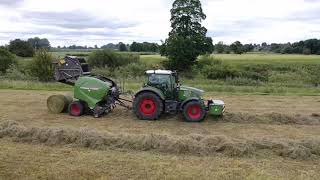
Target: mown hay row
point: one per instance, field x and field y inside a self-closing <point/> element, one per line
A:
<point x="193" y="144"/>
<point x="271" y="118"/>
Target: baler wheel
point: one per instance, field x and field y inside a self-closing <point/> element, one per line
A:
<point x="193" y="111"/>
<point x="147" y="106"/>
<point x="76" y="108"/>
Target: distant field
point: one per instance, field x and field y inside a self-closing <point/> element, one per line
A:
<point x="249" y="58"/>
<point x="259" y="58"/>
<point x="152" y="59"/>
<point x="74" y="53"/>
<point x="256" y="58"/>
<point x="268" y="58"/>
<point x="61" y="54"/>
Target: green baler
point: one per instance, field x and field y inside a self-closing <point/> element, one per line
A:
<point x="92" y="93"/>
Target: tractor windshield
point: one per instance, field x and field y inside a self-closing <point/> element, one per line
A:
<point x="158" y="79"/>
<point x="163" y="82"/>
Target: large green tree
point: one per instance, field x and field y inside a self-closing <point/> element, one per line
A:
<point x="6" y="60"/>
<point x="237" y="47"/>
<point x="144" y="47"/>
<point x="220" y="47"/>
<point x="21" y="48"/>
<point x="41" y="65"/>
<point x="122" y="47"/>
<point x="38" y="43"/>
<point x="187" y="39"/>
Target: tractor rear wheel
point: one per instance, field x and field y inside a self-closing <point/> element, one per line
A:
<point x="147" y="106"/>
<point x="194" y="112"/>
<point x="76" y="108"/>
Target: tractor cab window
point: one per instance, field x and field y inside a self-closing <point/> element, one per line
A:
<point x="162" y="82"/>
<point x="158" y="79"/>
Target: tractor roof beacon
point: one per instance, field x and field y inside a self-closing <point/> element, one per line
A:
<point x="159" y="72"/>
<point x="162" y="93"/>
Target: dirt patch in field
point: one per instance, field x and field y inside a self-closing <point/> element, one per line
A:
<point x="271" y="118"/>
<point x="194" y="144"/>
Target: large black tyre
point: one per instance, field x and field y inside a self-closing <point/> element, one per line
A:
<point x="76" y="108"/>
<point x="194" y="111"/>
<point x="147" y="106"/>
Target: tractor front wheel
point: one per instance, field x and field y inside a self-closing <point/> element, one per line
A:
<point x="194" y="112"/>
<point x="147" y="106"/>
<point x="76" y="108"/>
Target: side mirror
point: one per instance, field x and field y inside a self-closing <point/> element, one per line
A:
<point x="175" y="75"/>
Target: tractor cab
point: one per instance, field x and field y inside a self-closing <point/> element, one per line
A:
<point x="164" y="80"/>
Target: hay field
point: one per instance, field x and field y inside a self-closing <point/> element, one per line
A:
<point x="250" y="58"/>
<point x="264" y="137"/>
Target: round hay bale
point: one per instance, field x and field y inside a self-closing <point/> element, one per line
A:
<point x="69" y="99"/>
<point x="58" y="103"/>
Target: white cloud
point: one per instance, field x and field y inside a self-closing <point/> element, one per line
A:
<point x="260" y="20"/>
<point x="99" y="21"/>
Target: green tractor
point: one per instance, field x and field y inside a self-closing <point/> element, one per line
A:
<point x="160" y="94"/>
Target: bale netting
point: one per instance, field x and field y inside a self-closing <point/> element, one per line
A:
<point x="58" y="103"/>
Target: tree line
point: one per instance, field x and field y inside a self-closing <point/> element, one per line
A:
<point x="307" y="47"/>
<point x="310" y="46"/>
<point x="134" y="47"/>
<point x="27" y="48"/>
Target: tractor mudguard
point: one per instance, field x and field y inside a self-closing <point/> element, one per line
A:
<point x="151" y="89"/>
<point x="188" y="100"/>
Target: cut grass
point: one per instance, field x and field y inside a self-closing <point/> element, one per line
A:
<point x="51" y="146"/>
<point x="192" y="144"/>
<point x="33" y="161"/>
<point x="248" y="117"/>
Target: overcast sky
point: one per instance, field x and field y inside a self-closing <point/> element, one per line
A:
<point x="90" y="22"/>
